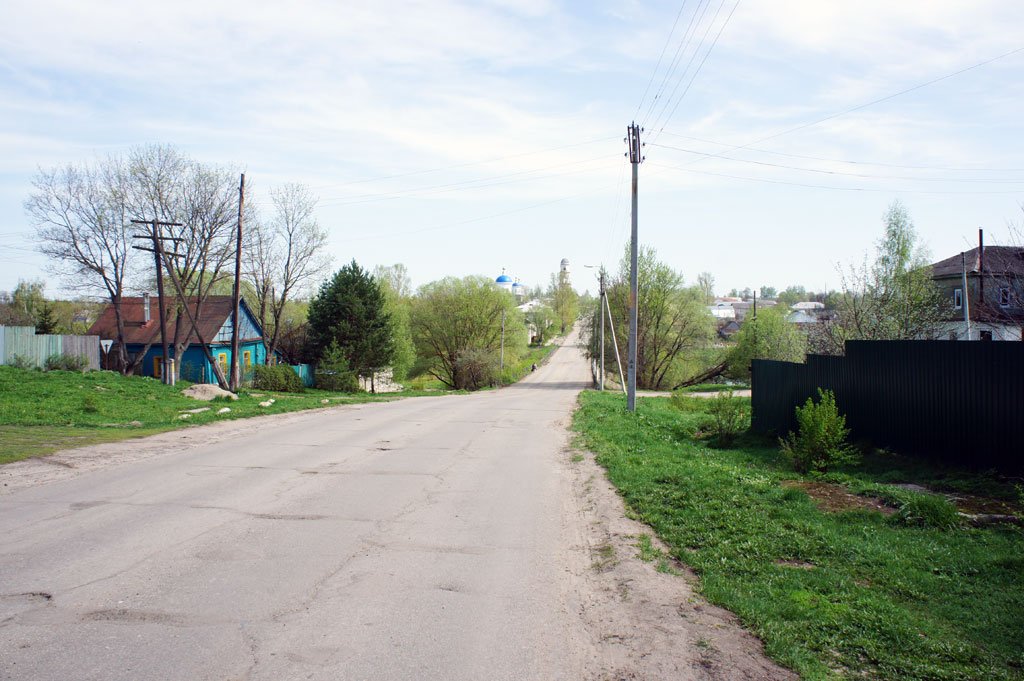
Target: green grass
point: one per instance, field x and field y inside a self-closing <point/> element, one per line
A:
<point x="41" y="413"/>
<point x="520" y="368"/>
<point x="833" y="595"/>
<point x="713" y="387"/>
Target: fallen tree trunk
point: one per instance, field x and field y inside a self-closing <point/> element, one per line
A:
<point x="704" y="377"/>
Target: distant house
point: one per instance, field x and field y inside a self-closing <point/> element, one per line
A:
<point x="746" y="307"/>
<point x="722" y="310"/>
<point x="142" y="334"/>
<point x="994" y="295"/>
<point x="729" y="329"/>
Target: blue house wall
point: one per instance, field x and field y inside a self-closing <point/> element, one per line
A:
<point x="194" y="365"/>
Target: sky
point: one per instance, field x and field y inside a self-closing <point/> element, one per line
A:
<point x="470" y="137"/>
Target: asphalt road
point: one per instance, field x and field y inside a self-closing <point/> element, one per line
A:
<point x="419" y="539"/>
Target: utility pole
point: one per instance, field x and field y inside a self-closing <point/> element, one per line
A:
<point x="158" y="255"/>
<point x="964" y="298"/>
<point x="615" y="344"/>
<point x="236" y="293"/>
<point x="501" y="362"/>
<point x="602" y="327"/>
<point x="633" y="139"/>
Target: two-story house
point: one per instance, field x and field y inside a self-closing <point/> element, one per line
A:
<point x="994" y="294"/>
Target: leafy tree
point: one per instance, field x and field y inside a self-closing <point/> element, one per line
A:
<point x="394" y="281"/>
<point x="453" y="320"/>
<point x="768" y="292"/>
<point x="766" y="336"/>
<point x="349" y="310"/>
<point x="672" y="319"/>
<point x="542" y="318"/>
<point x="792" y="295"/>
<point x="893" y="298"/>
<point x="564" y="301"/>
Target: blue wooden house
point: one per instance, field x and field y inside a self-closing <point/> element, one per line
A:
<point x="142" y="335"/>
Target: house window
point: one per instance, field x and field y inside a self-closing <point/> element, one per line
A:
<point x="158" y="367"/>
<point x="222" y="360"/>
<point x="247" y="359"/>
<point x="985" y="336"/>
<point x="958" y="299"/>
<point x="1004" y="296"/>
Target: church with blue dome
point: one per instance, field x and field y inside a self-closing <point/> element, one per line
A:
<point x="508" y="284"/>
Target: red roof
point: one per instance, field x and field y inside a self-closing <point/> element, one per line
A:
<point x="215" y="311"/>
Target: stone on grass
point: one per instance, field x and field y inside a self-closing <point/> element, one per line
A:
<point x="182" y="417"/>
<point x="224" y="410"/>
<point x="207" y="392"/>
<point x="266" y="404"/>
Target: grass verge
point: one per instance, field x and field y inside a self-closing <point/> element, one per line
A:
<point x="44" y="412"/>
<point x="851" y="594"/>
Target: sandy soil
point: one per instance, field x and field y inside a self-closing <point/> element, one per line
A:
<point x="642" y="623"/>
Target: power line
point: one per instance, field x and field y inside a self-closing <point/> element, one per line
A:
<point x="657" y="66"/>
<point x="834" y="188"/>
<point x="839" y="172"/>
<point x="464" y="185"/>
<point x="871" y="103"/>
<point x="463" y="165"/>
<point x="695" y="73"/>
<point x="492" y="216"/>
<point x="681" y="50"/>
<point x="839" y="160"/>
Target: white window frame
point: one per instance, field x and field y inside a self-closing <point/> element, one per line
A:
<point x="958" y="299"/>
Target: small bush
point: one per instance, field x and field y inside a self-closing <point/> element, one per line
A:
<point x="66" y="363"/>
<point x="333" y="373"/>
<point x="22" y="362"/>
<point x="927" y="510"/>
<point x="89" y="405"/>
<point x="475" y="369"/>
<point x="821" y="438"/>
<point x="280" y="378"/>
<point x="730" y="416"/>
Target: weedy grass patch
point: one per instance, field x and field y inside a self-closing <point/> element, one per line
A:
<point x="850" y="594"/>
<point x="44" y="412"/>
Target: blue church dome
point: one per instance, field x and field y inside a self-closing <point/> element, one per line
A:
<point x="504" y="279"/>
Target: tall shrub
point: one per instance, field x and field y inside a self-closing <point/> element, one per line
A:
<point x="821" y="438"/>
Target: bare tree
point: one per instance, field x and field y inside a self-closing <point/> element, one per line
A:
<point x="706" y="283"/>
<point x="81" y="221"/>
<point x="284" y="256"/>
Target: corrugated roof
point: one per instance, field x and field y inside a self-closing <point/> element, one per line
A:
<point x="215" y="311"/>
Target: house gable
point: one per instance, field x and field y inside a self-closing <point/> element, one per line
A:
<point x="249" y="328"/>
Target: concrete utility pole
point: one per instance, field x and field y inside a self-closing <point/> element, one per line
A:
<point x="964" y="303"/>
<point x="236" y="377"/>
<point x="633" y="139"/>
<point x="166" y="374"/>
<point x="602" y="328"/>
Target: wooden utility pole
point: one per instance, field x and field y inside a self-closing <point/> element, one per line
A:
<point x="633" y="139"/>
<point x="158" y="255"/>
<point x="501" y="363"/>
<point x="236" y="293"/>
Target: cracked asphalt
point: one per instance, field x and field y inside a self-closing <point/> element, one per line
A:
<point x="418" y="539"/>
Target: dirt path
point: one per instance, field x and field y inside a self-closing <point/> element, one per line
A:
<point x="643" y="623"/>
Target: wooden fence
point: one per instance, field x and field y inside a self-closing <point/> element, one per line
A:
<point x="22" y="342"/>
<point x="961" y="402"/>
